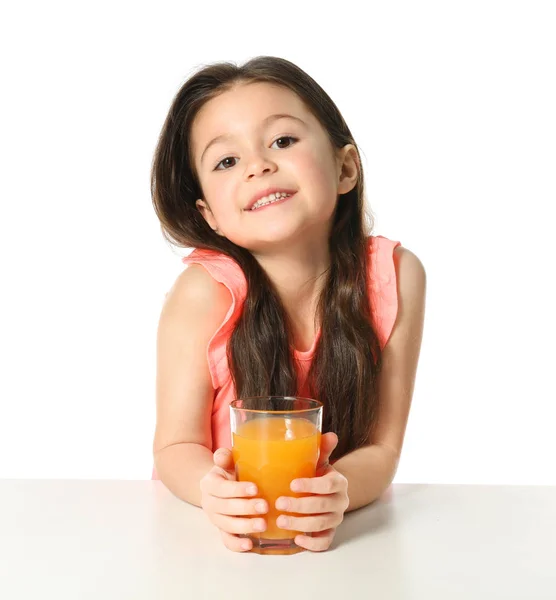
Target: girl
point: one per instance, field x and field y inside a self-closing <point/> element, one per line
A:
<point x="287" y="294"/>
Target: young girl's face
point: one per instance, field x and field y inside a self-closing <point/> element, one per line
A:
<point x="259" y="152"/>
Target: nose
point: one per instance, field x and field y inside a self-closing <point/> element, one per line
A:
<point x="259" y="164"/>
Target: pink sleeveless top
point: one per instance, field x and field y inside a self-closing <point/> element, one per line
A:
<point x="383" y="297"/>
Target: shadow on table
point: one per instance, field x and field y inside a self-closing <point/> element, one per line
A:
<point x="373" y="518"/>
<point x="364" y="521"/>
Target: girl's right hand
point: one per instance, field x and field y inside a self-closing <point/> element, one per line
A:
<point x="223" y="497"/>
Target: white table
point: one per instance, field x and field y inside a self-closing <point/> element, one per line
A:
<point x="81" y="539"/>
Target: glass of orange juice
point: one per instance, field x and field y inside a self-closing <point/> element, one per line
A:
<point x="275" y="439"/>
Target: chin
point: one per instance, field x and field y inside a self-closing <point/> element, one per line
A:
<point x="276" y="241"/>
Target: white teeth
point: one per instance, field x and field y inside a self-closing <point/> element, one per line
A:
<point x="269" y="199"/>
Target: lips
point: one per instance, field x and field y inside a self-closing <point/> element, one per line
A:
<point x="267" y="192"/>
<point x="271" y="204"/>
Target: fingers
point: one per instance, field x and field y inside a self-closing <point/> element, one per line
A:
<point x="313" y="523"/>
<point x="223" y="458"/>
<point x="318" y="542"/>
<point x="236" y="543"/>
<point x="324" y="508"/>
<point x="239" y="525"/>
<point x="328" y="442"/>
<point x="236" y="506"/>
<point x="215" y="484"/>
<point x="310" y="505"/>
<point x="330" y="483"/>
<point x="229" y="503"/>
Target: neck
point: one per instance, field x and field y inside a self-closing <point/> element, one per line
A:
<point x="299" y="273"/>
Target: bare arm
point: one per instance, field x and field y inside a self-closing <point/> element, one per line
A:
<point x="181" y="467"/>
<point x="371" y="469"/>
<point x="182" y="447"/>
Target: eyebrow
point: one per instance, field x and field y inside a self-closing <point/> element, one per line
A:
<point x="266" y="121"/>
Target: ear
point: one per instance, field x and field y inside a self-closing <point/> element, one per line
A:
<point x="348" y="168"/>
<point x="204" y="209"/>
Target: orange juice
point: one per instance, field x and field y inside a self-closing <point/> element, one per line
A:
<point x="272" y="451"/>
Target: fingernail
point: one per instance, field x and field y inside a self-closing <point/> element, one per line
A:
<point x="283" y="521"/>
<point x="260" y="507"/>
<point x="296" y="486"/>
<point x="252" y="490"/>
<point x="246" y="545"/>
<point x="259" y="525"/>
<point x="282" y="504"/>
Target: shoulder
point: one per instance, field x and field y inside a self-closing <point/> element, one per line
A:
<point x="196" y="294"/>
<point x="409" y="270"/>
<point x="397" y="273"/>
<point x="411" y="289"/>
<point x="197" y="284"/>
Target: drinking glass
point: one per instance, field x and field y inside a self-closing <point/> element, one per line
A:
<point x="275" y="439"/>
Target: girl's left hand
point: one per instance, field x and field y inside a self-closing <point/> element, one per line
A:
<point x="326" y="507"/>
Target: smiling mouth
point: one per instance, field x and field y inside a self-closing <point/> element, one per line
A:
<point x="280" y="201"/>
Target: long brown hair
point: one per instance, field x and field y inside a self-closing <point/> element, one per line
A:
<point x="347" y="359"/>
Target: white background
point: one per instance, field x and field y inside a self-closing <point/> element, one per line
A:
<point x="453" y="106"/>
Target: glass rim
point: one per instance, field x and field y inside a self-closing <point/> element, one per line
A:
<point x="316" y="405"/>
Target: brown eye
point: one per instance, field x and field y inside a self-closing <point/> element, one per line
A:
<point x="223" y="161"/>
<point x="286" y="137"/>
